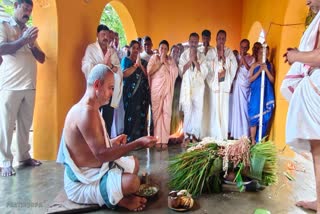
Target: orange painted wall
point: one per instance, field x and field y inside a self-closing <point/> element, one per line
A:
<point x="175" y="20"/>
<point x="45" y="124"/>
<point x="278" y="38"/>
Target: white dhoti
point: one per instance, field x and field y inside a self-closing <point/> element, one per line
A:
<point x="105" y="190"/>
<point x="192" y="93"/>
<point x="220" y="92"/>
<point x="303" y="120"/>
<point x="191" y="102"/>
<point x="301" y="86"/>
<point x="205" y="123"/>
<point x="94" y="185"/>
<point x="192" y="118"/>
<point x="219" y="103"/>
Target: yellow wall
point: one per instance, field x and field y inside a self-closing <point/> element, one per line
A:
<point x="175" y="20"/>
<point x="45" y="125"/>
<point x="67" y="27"/>
<point x="279" y="38"/>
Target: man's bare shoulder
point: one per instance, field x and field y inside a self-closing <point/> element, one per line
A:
<point x="83" y="135"/>
<point x="80" y="114"/>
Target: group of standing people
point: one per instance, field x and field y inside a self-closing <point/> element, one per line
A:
<point x="143" y="81"/>
<point x="222" y="88"/>
<point x="246" y="96"/>
<point x="207" y="78"/>
<point x="217" y="91"/>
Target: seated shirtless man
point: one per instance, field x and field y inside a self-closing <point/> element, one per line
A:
<point x="96" y="171"/>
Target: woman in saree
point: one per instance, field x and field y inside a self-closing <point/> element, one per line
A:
<point x="254" y="100"/>
<point x="136" y="93"/>
<point x="162" y="71"/>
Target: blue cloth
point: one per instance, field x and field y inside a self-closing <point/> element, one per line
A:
<point x="254" y="102"/>
<point x="60" y="156"/>
<point x="104" y="193"/>
<point x="136" y="100"/>
<point x="70" y="173"/>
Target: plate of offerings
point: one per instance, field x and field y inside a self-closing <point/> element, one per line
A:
<point x="180" y="200"/>
<point x="148" y="190"/>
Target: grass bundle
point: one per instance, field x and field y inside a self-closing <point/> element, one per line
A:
<point x="200" y="169"/>
<point x="196" y="170"/>
<point x="268" y="151"/>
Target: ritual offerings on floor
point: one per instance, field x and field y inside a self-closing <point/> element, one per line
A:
<point x="180" y="200"/>
<point x="207" y="165"/>
<point x="148" y="190"/>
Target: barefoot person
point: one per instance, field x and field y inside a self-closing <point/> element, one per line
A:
<point x="162" y="71"/>
<point x="19" y="51"/>
<point x="223" y="67"/>
<point x="193" y="69"/>
<point x="301" y="87"/>
<point x="255" y="78"/>
<point x="96" y="171"/>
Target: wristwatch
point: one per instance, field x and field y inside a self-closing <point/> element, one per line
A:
<point x="112" y="66"/>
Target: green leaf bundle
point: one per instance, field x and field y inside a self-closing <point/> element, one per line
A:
<point x="268" y="151"/>
<point x="196" y="171"/>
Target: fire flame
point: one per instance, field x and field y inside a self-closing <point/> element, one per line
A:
<point x="179" y="131"/>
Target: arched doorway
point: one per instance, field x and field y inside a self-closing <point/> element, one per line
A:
<point x="111" y="18"/>
<point x="256" y="33"/>
<point x="126" y="19"/>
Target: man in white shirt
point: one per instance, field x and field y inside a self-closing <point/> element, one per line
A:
<point x="204" y="50"/>
<point x="116" y="46"/>
<point x="193" y="68"/>
<point x="20" y="51"/>
<point x="101" y="53"/>
<point x="147" y="46"/>
<point x="223" y="65"/>
<point x="206" y="38"/>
